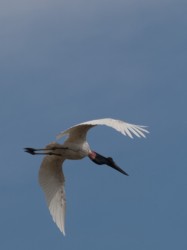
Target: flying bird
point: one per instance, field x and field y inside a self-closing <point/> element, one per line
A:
<point x="75" y="147"/>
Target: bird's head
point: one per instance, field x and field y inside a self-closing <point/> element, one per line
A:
<point x="100" y="160"/>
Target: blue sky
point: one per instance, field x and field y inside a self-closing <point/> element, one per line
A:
<point x="65" y="62"/>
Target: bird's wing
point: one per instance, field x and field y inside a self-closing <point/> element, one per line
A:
<point x="80" y="130"/>
<point x="51" y="179"/>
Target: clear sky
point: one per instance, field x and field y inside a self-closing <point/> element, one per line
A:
<point x="67" y="61"/>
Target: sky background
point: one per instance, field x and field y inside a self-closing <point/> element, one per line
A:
<point x="65" y="62"/>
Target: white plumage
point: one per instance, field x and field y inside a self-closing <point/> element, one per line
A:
<point x="125" y="128"/>
<point x="51" y="177"/>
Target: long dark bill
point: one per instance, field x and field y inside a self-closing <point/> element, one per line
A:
<point x="112" y="164"/>
<point x="100" y="160"/>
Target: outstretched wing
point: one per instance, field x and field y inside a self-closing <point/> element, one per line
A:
<point x="51" y="179"/>
<point x="79" y="131"/>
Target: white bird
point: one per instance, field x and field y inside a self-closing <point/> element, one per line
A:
<point x="75" y="147"/>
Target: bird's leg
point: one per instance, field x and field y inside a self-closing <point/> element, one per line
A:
<point x="42" y="149"/>
<point x="100" y="160"/>
<point x="33" y="151"/>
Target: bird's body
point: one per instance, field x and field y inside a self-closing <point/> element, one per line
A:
<point x="70" y="150"/>
<point x="75" y="147"/>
